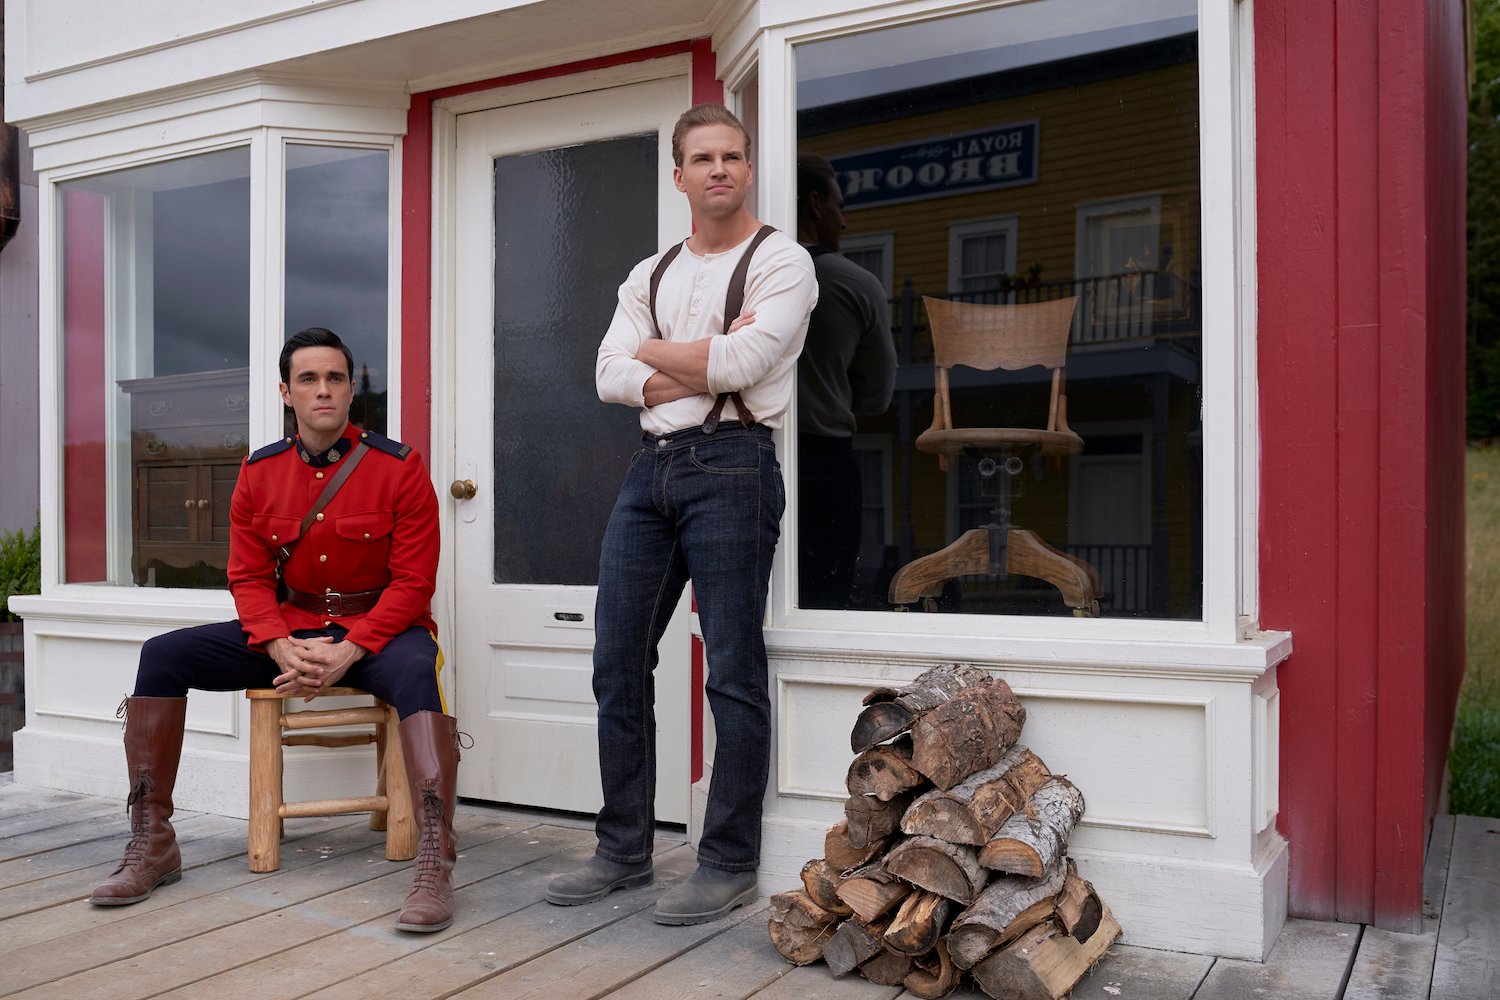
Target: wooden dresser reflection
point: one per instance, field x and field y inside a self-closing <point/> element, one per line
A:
<point x="188" y="435"/>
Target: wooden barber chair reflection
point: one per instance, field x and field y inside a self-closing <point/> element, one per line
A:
<point x="988" y="337"/>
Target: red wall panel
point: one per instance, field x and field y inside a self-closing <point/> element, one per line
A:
<point x="84" y="557"/>
<point x="1359" y="131"/>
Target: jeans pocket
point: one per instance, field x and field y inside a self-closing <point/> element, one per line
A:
<point x="736" y="455"/>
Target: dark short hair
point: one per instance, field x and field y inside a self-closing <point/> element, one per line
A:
<point x="814" y="175"/>
<point x="705" y="114"/>
<point x="313" y="336"/>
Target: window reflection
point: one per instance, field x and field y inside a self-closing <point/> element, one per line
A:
<point x="156" y="312"/>
<point x="338" y="260"/>
<point x="1033" y="153"/>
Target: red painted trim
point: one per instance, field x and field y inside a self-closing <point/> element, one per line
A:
<point x="1360" y="153"/>
<point x="416" y="265"/>
<point x="416" y="276"/>
<point x="85" y="559"/>
<point x="706" y="87"/>
<point x="695" y="710"/>
<point x="1295" y="172"/>
<point x="416" y="226"/>
<point x="706" y="83"/>
<point x="1357" y="446"/>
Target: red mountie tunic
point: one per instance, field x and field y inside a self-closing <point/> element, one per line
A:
<point x="379" y="531"/>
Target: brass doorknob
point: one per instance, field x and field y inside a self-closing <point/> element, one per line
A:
<point x="463" y="489"/>
<point x="203" y="504"/>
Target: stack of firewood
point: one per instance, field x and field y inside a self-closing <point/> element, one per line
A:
<point x="952" y="856"/>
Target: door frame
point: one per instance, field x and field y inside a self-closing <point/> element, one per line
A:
<point x="444" y="346"/>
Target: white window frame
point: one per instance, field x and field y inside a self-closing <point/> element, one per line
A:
<point x="1220" y="639"/>
<point x="1008" y="225"/>
<point x="267" y="146"/>
<point x="886" y="244"/>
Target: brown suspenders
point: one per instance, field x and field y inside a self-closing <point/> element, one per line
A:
<point x="734" y="301"/>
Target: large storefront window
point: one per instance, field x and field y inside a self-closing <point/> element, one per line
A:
<point x="1023" y="184"/>
<point x="338" y="260"/>
<point x="155" y="265"/>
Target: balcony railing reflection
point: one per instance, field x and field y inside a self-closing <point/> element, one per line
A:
<point x="1113" y="309"/>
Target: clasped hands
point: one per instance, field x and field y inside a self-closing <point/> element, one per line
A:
<point x="313" y="665"/>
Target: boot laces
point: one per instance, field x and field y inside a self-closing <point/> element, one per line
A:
<point x="430" y="852"/>
<point x="135" y="804"/>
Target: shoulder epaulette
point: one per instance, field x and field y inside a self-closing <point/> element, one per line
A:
<point x="382" y="443"/>
<point x="274" y="448"/>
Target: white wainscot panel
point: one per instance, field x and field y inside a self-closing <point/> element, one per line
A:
<point x="1142" y="764"/>
<point x="814" y="717"/>
<point x="89" y="673"/>
<point x="534" y="682"/>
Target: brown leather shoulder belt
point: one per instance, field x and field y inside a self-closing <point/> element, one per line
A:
<point x="335" y="604"/>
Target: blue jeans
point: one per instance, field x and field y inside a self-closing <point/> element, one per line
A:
<point x="705" y="507"/>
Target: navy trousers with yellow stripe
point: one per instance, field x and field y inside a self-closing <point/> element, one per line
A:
<point x="215" y="658"/>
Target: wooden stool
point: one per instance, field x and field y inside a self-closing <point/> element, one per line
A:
<point x="389" y="807"/>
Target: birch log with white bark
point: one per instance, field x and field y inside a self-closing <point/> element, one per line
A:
<point x="890" y="711"/>
<point x="972" y="811"/>
<point x="1030" y="844"/>
<point x="1008" y="906"/>
<point x="1045" y="963"/>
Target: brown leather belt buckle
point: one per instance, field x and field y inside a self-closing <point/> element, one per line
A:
<point x="333" y="604"/>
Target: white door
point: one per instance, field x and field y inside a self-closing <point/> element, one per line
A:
<point x="556" y="201"/>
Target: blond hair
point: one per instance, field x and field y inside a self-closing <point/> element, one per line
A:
<point x="705" y="114"/>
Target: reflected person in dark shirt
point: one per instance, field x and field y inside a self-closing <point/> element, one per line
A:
<point x="847" y="369"/>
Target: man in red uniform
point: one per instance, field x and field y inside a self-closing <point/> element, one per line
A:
<point x="355" y="611"/>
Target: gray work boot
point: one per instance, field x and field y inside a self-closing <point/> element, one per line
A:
<point x="595" y="880"/>
<point x="707" y="895"/>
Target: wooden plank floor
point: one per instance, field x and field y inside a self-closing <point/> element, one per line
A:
<point x="322" y="926"/>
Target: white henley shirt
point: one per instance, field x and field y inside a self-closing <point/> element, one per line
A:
<point x="758" y="361"/>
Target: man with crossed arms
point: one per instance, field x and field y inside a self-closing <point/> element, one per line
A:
<point x="702" y="500"/>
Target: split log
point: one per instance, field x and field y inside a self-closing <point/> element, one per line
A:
<point x="950" y="870"/>
<point x="891" y="711"/>
<point x="1079" y="908"/>
<point x="799" y="927"/>
<point x="1029" y="846"/>
<point x="841" y="854"/>
<point x="918" y="924"/>
<point x="888" y="968"/>
<point x="1007" y="908"/>
<point x="969" y="732"/>
<point x="871" y="818"/>
<point x="822" y="883"/>
<point x="854" y="943"/>
<point x="972" y="811"/>
<point x="872" y="891"/>
<point x="883" y="772"/>
<point x="935" y="975"/>
<point x="1045" y="963"/>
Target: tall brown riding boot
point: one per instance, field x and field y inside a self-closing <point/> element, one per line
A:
<point x="153" y="745"/>
<point x="429" y="742"/>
